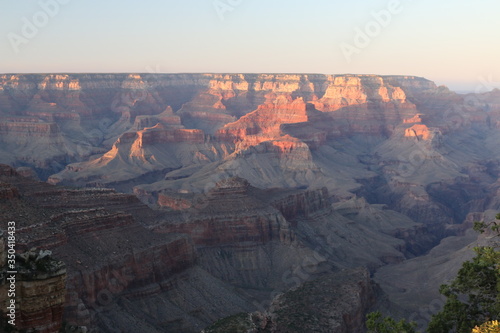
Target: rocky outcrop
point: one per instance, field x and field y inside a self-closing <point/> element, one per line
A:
<point x="154" y="151"/>
<point x="240" y="238"/>
<point x="266" y="120"/>
<point x="206" y="111"/>
<point x="40" y="289"/>
<point x="107" y="253"/>
<point x="348" y="90"/>
<point x="158" y="134"/>
<point x="231" y="216"/>
<point x="419" y="131"/>
<point x="173" y="202"/>
<point x="28" y="130"/>
<point x="167" y="118"/>
<point x="302" y="204"/>
<point x="334" y="303"/>
<point x="132" y="273"/>
<point x="8" y="192"/>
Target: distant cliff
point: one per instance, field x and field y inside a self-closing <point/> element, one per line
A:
<point x="79" y="115"/>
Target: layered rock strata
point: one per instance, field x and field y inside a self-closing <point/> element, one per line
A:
<point x="40" y="292"/>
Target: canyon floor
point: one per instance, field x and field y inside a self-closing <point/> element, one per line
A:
<point x="268" y="202"/>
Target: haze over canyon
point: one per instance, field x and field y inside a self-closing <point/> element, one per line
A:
<point x="298" y="202"/>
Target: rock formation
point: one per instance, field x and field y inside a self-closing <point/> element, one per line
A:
<point x="254" y="182"/>
<point x="234" y="236"/>
<point x="333" y="303"/>
<point x="40" y="291"/>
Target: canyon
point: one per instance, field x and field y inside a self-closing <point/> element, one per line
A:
<point x="175" y="200"/>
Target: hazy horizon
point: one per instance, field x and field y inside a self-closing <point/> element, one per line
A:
<point x="451" y="42"/>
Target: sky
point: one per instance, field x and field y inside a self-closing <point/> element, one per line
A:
<point x="452" y="42"/>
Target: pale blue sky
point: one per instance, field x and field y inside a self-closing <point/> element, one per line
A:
<point x="451" y="42"/>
